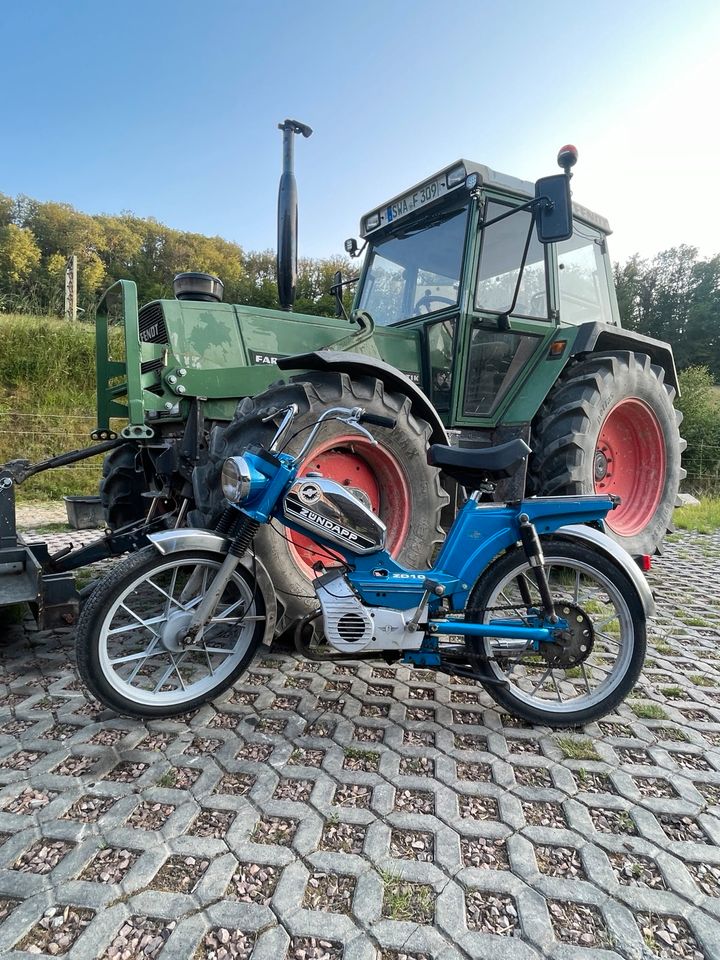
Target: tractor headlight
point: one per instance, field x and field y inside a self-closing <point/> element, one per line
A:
<point x="236" y="479"/>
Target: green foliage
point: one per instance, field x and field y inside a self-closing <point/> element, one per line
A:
<point x="674" y="297"/>
<point x="699" y="403"/>
<point x="37" y="238"/>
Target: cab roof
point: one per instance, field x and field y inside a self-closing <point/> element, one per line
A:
<point x="502" y="182"/>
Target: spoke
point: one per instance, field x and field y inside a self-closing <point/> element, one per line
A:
<point x="606" y="636"/>
<point x="132" y="626"/>
<point x="235" y="619"/>
<point x="209" y="662"/>
<point x="232" y="606"/>
<point x="577" y="587"/>
<point x="606" y="621"/>
<point x="169" y="598"/>
<point x="143" y="623"/>
<point x="149" y="652"/>
<point x="164" y="677"/>
<point x="173" y="583"/>
<point x="191" y="585"/>
<point x="541" y="681"/>
<point x="205" y="649"/>
<point x="176" y="664"/>
<point x="584" y="673"/>
<point x="557" y="689"/>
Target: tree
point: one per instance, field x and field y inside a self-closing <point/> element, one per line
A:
<point x="19" y="256"/>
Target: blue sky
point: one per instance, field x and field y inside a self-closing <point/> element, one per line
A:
<point x="170" y="109"/>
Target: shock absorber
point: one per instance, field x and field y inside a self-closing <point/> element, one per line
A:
<point x="534" y="553"/>
<point x="243" y="536"/>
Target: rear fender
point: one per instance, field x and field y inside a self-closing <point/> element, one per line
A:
<point x="168" y="542"/>
<point x="614" y="552"/>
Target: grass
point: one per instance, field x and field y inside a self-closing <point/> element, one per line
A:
<point x="705" y="518"/>
<point x="412" y="902"/>
<point x="701" y="680"/>
<point x="47" y="401"/>
<point x="577" y="749"/>
<point x="648" y="711"/>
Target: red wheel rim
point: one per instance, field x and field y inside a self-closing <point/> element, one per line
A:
<point x="630" y="463"/>
<point x="372" y="471"/>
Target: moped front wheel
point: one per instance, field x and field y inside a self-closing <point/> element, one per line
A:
<point x="129" y="647"/>
<point x="603" y="647"/>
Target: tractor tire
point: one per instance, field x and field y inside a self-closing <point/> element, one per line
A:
<point x="609" y="426"/>
<point x="122" y="486"/>
<point x="392" y="477"/>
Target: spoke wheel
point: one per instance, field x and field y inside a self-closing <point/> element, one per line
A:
<point x="129" y="645"/>
<point x="600" y="656"/>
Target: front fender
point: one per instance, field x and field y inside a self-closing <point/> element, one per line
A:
<point x="173" y="541"/>
<point x="601" y="541"/>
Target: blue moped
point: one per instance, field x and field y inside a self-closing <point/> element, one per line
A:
<point x="529" y="598"/>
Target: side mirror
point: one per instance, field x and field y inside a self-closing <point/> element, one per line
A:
<point x="553" y="210"/>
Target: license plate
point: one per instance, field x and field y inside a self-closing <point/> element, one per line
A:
<point x="414" y="201"/>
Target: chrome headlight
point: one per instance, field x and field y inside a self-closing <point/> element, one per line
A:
<point x="236" y="479"/>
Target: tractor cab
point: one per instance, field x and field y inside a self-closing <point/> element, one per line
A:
<point x="481" y="265"/>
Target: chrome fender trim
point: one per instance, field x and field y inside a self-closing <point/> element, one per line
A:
<point x="173" y="541"/>
<point x="615" y="552"/>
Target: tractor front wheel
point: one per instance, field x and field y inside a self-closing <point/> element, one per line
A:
<point x="609" y="426"/>
<point x="122" y="486"/>
<point x="391" y="477"/>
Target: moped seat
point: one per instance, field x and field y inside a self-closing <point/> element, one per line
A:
<point x="471" y="466"/>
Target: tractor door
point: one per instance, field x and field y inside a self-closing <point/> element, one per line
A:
<point x="500" y="344"/>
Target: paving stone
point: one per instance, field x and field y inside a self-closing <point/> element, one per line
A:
<point x="362" y="810"/>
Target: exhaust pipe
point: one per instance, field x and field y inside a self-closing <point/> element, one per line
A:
<point x="288" y="215"/>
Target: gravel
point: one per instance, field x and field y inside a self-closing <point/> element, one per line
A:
<point x="109" y="865"/>
<point x="612" y="821"/>
<point x="412" y="845"/>
<point x="43" y="856"/>
<point x="415" y="801"/>
<point x="369" y="734"/>
<point x="562" y="862"/>
<point x="416" y="767"/>
<point x="578" y="923"/>
<point x="211" y="823"/>
<point x="353" y="795"/>
<point x="478" y="808"/>
<point x="235" y="784"/>
<point x="110" y="736"/>
<point x="655" y="787"/>
<point x="150" y="816"/>
<point x="76" y="767"/>
<point x="682" y="828"/>
<point x="179" y="874"/>
<point x="470" y="741"/>
<point x="30" y="800"/>
<point x="343" y="837"/>
<point x="126" y="772"/>
<point x="253" y="883"/>
<point x="669" y="937"/>
<point x="224" y="944"/>
<point x="56" y="931"/>
<point x="305" y="757"/>
<point x="280" y="830"/>
<point x="329" y="891"/>
<point x="139" y="938"/>
<point x="485" y="853"/>
<point x="289" y="788"/>
<point x="474" y="772"/>
<point x="636" y="871"/>
<point x="202" y="746"/>
<point x="706" y="876"/>
<point x="314" y="948"/>
<point x="544" y="813"/>
<point x="491" y="912"/>
<point x="419" y="738"/>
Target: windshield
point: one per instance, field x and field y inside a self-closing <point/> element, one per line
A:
<point x="417" y="269"/>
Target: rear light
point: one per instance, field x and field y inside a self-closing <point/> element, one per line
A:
<point x="645" y="562"/>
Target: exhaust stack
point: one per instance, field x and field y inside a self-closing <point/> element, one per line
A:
<point x="288" y="215"/>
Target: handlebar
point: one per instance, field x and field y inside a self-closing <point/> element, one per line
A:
<point x="377" y="421"/>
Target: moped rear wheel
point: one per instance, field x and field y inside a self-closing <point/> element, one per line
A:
<point x="128" y="648"/>
<point x="605" y="646"/>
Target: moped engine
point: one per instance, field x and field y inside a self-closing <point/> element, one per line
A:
<point x="351" y="627"/>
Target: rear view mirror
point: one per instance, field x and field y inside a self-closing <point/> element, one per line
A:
<point x="553" y="212"/>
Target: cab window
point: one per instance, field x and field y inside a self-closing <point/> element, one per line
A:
<point x="500" y="258"/>
<point x="582" y="278"/>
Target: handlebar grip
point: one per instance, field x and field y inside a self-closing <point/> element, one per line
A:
<point x="378" y="421"/>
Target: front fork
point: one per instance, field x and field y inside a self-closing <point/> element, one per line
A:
<point x="242" y="537"/>
<point x="534" y="553"/>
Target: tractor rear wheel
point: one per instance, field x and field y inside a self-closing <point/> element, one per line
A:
<point x="609" y="426"/>
<point x="391" y="477"/>
<point x="122" y="486"/>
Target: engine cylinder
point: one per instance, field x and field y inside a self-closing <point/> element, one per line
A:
<point x="198" y="286"/>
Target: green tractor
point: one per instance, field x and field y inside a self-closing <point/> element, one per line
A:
<point x="468" y="321"/>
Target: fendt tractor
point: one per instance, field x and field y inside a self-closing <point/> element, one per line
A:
<point x="468" y="323"/>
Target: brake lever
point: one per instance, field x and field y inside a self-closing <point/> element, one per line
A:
<point x="352" y="422"/>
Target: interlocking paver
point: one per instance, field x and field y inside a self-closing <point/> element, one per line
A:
<point x="368" y="812"/>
